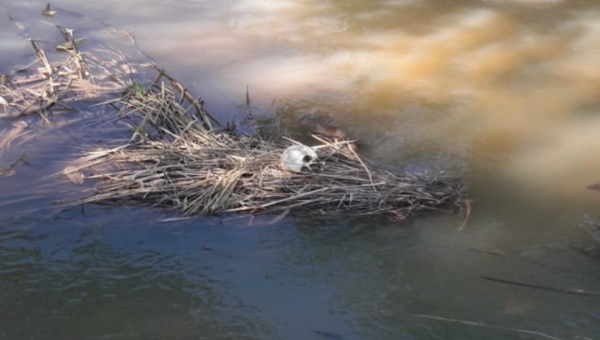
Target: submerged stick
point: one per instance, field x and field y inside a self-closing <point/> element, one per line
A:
<point x="586" y="253"/>
<point x="22" y="159"/>
<point x="467" y="215"/>
<point x="517" y="258"/>
<point x="481" y="324"/>
<point x="557" y="290"/>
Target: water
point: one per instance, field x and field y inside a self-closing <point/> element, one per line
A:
<point x="502" y="93"/>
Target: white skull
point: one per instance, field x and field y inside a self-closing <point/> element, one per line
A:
<point x="297" y="157"/>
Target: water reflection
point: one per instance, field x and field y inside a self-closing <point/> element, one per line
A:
<point x="98" y="283"/>
<point x="228" y="280"/>
<point x="397" y="273"/>
<point x="502" y="93"/>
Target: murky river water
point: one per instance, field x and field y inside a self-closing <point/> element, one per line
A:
<point x="505" y="94"/>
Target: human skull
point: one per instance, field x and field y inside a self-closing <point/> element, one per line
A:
<point x="297" y="157"/>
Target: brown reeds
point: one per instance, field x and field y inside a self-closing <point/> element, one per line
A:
<point x="177" y="157"/>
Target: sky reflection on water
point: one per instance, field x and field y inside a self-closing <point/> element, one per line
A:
<point x="504" y="94"/>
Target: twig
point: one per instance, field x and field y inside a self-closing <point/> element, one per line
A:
<point x="467" y="215"/>
<point x="585" y="252"/>
<point x="293" y="197"/>
<point x="247" y="97"/>
<point x="7" y="170"/>
<point x="364" y="166"/>
<point x="512" y="257"/>
<point x="481" y="324"/>
<point x="557" y="290"/>
<point x="197" y="103"/>
<point x="595" y="230"/>
<point x="280" y="217"/>
<point x="41" y="55"/>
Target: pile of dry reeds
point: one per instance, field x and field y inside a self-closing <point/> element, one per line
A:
<point x="181" y="157"/>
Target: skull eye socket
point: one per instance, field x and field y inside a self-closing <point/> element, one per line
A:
<point x="306" y="159"/>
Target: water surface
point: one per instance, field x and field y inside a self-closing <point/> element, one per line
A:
<point x="504" y="94"/>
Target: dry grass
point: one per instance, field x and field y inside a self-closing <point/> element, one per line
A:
<point x="32" y="96"/>
<point x="181" y="157"/>
<point x="47" y="88"/>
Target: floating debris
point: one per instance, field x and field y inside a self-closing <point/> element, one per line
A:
<point x="49" y="11"/>
<point x="594" y="187"/>
<point x="176" y="159"/>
